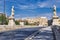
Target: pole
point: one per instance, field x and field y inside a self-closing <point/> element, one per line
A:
<point x="3" y="18"/>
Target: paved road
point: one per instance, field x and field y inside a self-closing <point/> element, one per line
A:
<point x="43" y="34"/>
<point x="19" y="34"/>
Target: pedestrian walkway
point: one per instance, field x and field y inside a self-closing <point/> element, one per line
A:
<point x="56" y="31"/>
<point x="43" y="34"/>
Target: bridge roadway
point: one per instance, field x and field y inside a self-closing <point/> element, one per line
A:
<point x="19" y="34"/>
<point x="37" y="33"/>
<point x="44" y="33"/>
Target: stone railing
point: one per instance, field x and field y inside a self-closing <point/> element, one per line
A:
<point x="7" y="27"/>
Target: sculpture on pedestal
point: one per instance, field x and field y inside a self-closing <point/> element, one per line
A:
<point x="54" y="11"/>
<point x="55" y="18"/>
<point x="11" y="18"/>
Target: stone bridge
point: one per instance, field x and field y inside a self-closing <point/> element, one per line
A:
<point x="7" y="27"/>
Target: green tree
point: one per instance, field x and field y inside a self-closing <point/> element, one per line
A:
<point x="16" y="22"/>
<point x="3" y="19"/>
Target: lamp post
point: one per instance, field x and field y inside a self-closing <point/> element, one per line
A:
<point x="4" y="6"/>
<point x="3" y="12"/>
<point x="3" y="18"/>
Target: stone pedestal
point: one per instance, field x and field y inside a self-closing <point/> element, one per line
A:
<point x="56" y="22"/>
<point x="55" y="17"/>
<point x="11" y="21"/>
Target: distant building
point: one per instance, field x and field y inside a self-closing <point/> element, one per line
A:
<point x="43" y="21"/>
<point x="31" y="20"/>
<point x="21" y="22"/>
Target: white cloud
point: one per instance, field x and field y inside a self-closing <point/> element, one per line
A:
<point x="41" y="5"/>
<point x="23" y="6"/>
<point x="30" y="6"/>
<point x="46" y="4"/>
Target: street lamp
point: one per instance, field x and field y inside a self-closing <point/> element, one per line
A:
<point x="3" y="18"/>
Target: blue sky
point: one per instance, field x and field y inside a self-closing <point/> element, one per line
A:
<point x="30" y="8"/>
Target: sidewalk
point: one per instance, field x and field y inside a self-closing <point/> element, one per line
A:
<point x="57" y="34"/>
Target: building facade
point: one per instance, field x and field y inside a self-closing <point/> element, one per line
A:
<point x="43" y="21"/>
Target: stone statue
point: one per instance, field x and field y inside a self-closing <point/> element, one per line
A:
<point x="54" y="10"/>
<point x="12" y="14"/>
